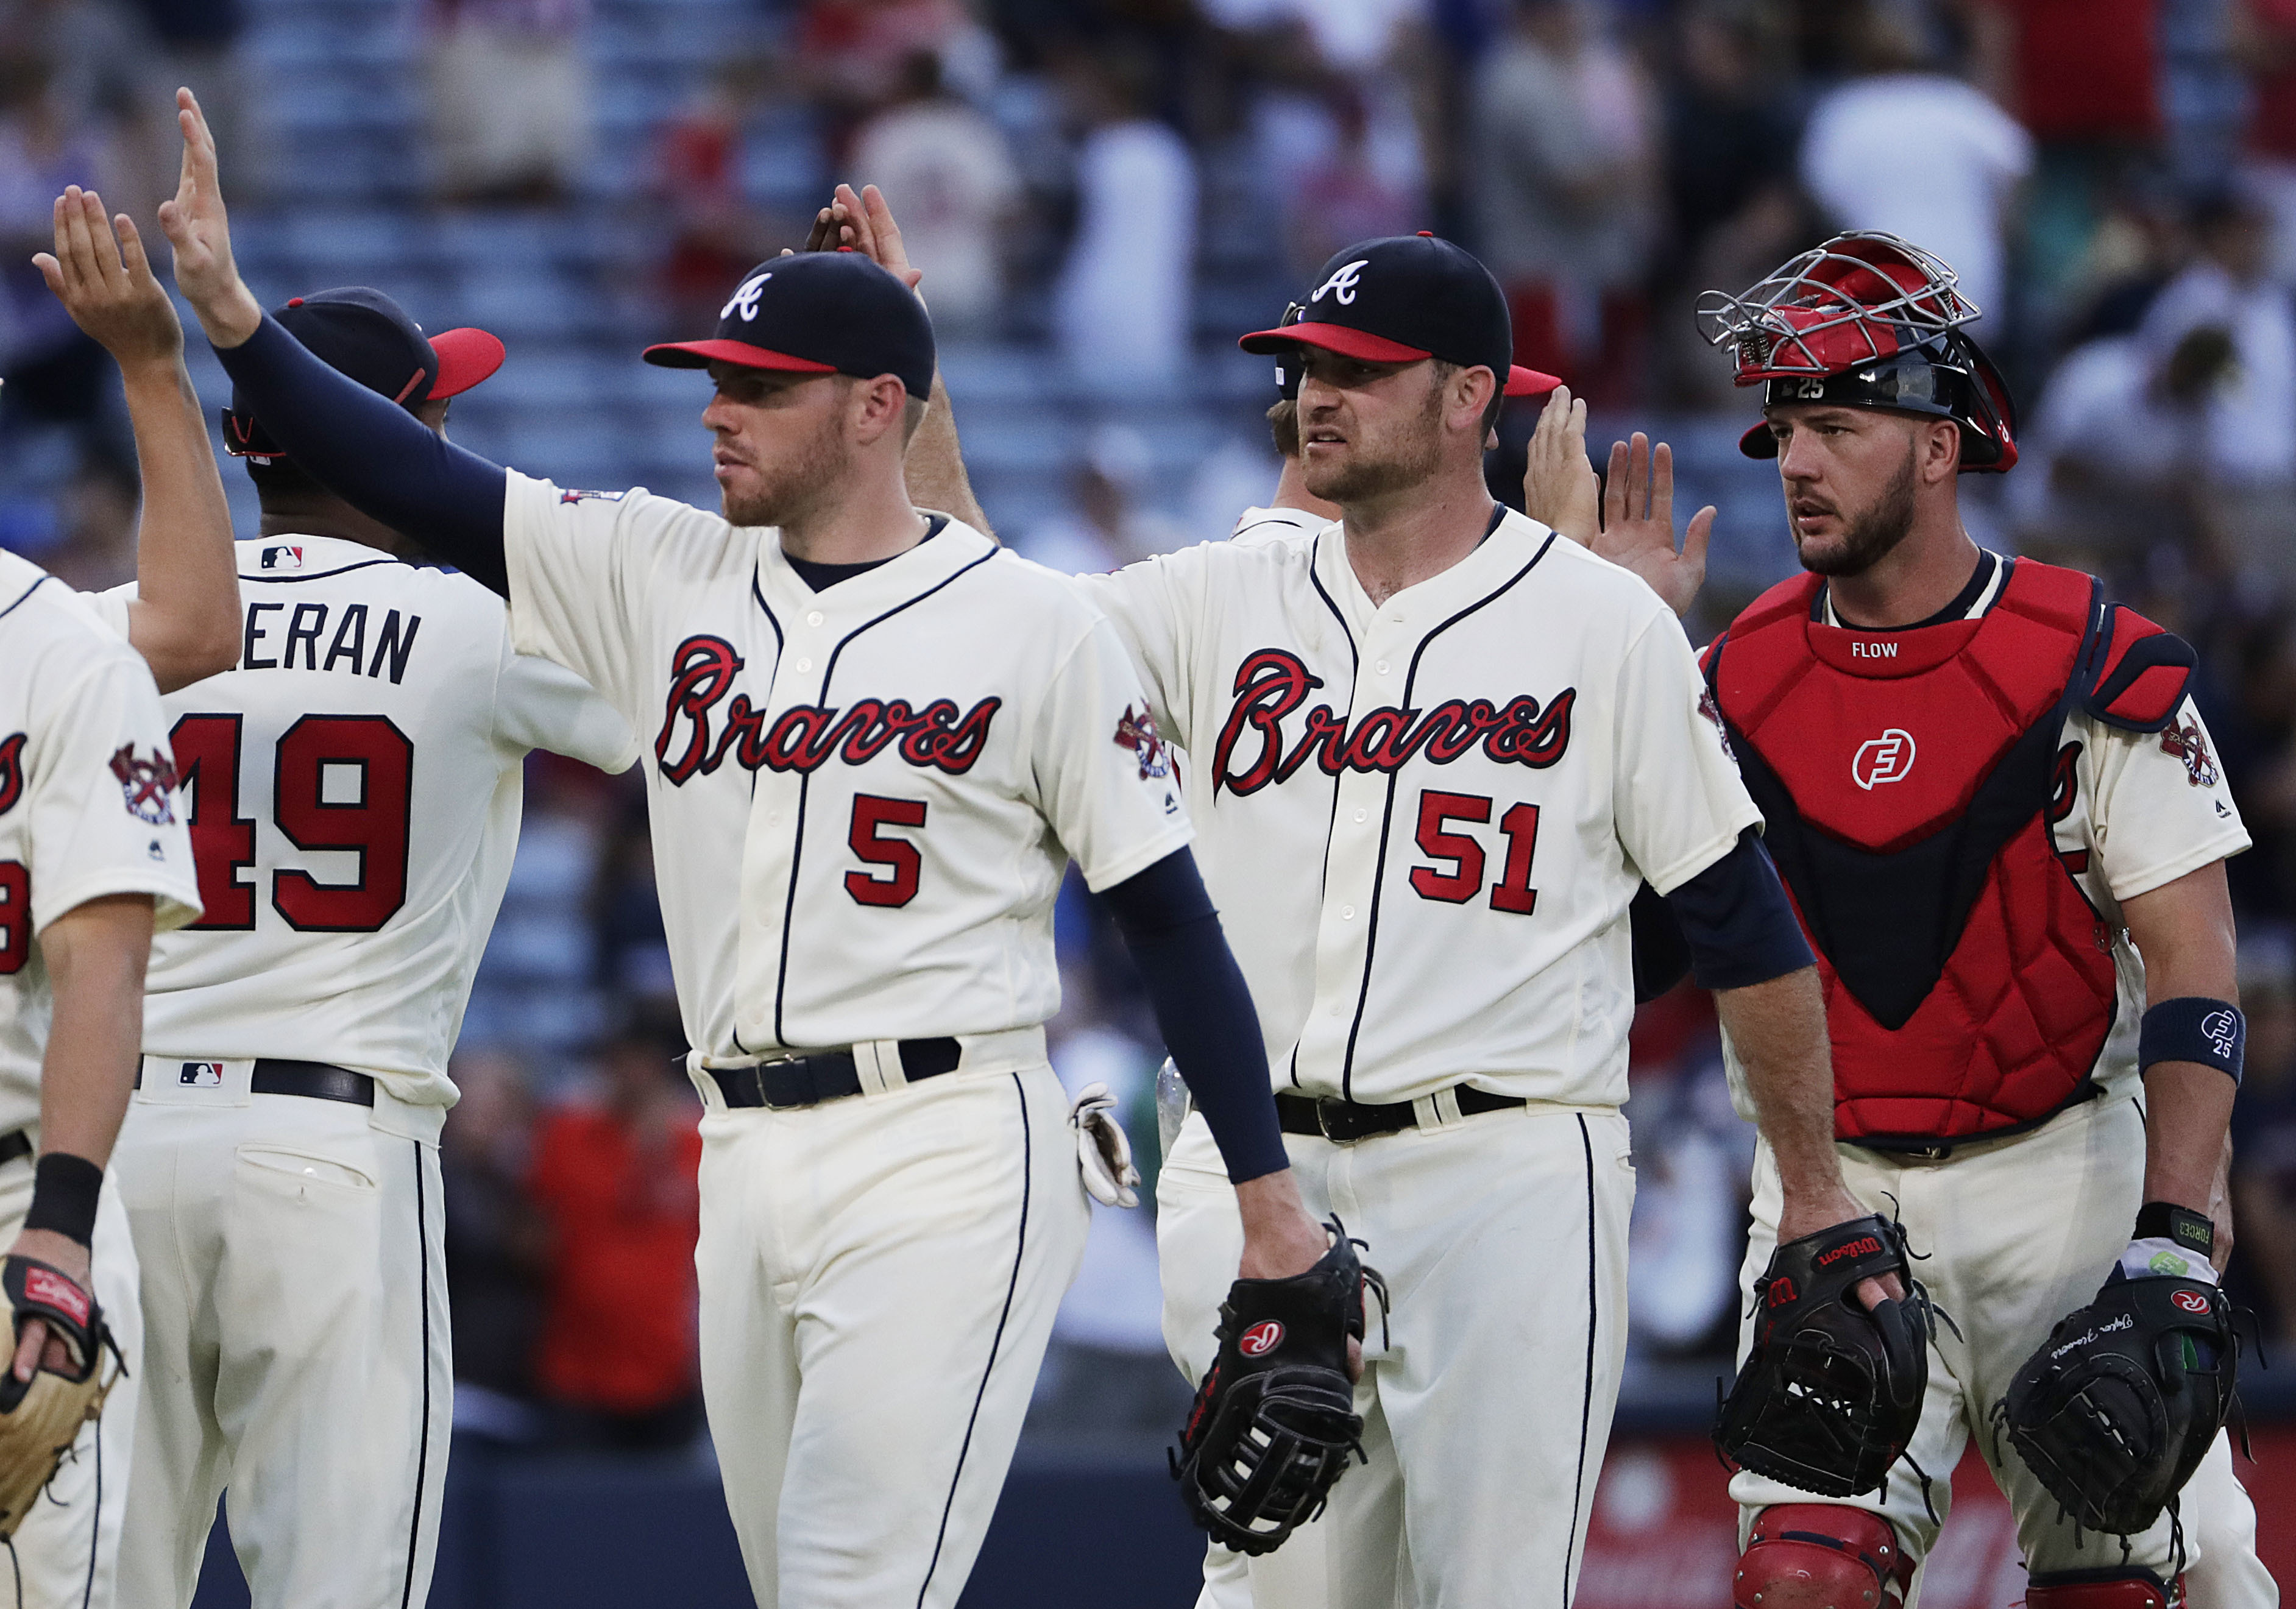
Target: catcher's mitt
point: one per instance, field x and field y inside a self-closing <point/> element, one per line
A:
<point x="2115" y="1410"/>
<point x="40" y="1419"/>
<point x="1830" y="1394"/>
<point x="1274" y="1419"/>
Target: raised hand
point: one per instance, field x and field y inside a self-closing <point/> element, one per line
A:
<point x="1638" y="523"/>
<point x="201" y="233"/>
<point x="105" y="283"/>
<point x="1559" y="487"/>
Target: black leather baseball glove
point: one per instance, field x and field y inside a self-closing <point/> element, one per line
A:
<point x="2116" y="1410"/>
<point x="1830" y="1394"/>
<point x="1274" y="1422"/>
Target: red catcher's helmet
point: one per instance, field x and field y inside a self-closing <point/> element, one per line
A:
<point x="1866" y="321"/>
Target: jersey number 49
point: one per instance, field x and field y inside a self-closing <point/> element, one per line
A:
<point x="338" y="782"/>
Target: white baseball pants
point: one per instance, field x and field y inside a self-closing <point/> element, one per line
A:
<point x="2017" y="1233"/>
<point x="67" y="1550"/>
<point x="296" y="1351"/>
<point x="1503" y="1240"/>
<point x="879" y="1276"/>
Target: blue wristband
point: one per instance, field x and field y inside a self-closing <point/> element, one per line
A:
<point x="2194" y="1028"/>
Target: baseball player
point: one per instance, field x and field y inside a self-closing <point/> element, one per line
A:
<point x="876" y="739"/>
<point x="354" y="791"/>
<point x="92" y="857"/>
<point x="1432" y="753"/>
<point x="1917" y="714"/>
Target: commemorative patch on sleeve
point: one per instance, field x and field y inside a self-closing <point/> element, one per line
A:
<point x="1136" y="730"/>
<point x="147" y="785"/>
<point x="2187" y="741"/>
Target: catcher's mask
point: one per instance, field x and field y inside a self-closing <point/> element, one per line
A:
<point x="1866" y="321"/>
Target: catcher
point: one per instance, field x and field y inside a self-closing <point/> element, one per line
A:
<point x="2003" y="825"/>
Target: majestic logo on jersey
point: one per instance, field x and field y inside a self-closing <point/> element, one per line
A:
<point x="567" y="497"/>
<point x="147" y="785"/>
<point x="1883" y="759"/>
<point x="12" y="769"/>
<point x="281" y="558"/>
<point x="1273" y="682"/>
<point x="2188" y="744"/>
<point x="200" y="1075"/>
<point x="1341" y="284"/>
<point x="804" y="737"/>
<point x="1136" y="730"/>
<point x="746" y="298"/>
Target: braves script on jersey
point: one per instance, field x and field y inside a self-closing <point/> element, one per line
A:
<point x="354" y="790"/>
<point x="88" y="800"/>
<point x="862" y="800"/>
<point x="1424" y="820"/>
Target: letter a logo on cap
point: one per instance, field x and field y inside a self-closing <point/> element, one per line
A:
<point x="746" y="298"/>
<point x="1342" y="281"/>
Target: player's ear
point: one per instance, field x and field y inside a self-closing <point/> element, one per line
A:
<point x="878" y="407"/>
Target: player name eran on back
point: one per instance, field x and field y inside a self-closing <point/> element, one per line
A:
<point x="354" y="644"/>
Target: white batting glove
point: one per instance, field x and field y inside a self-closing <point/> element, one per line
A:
<point x="1103" y="1154"/>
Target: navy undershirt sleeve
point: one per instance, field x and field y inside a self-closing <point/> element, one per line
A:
<point x="373" y="453"/>
<point x="1203" y="1009"/>
<point x="1661" y="956"/>
<point x="1738" y="922"/>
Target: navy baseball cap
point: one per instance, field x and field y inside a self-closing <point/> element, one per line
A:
<point x="817" y="313"/>
<point x="1398" y="300"/>
<point x="361" y="332"/>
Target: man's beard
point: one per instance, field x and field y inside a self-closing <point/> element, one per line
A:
<point x="1872" y="535"/>
<point x="1360" y="480"/>
<point x="791" y="488"/>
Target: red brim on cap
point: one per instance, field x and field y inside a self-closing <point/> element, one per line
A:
<point x="1530" y="382"/>
<point x="465" y="357"/>
<point x="1358" y="344"/>
<point x="1758" y="442"/>
<point x="701" y="355"/>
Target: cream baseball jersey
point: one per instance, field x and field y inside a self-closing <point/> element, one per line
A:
<point x="353" y="790"/>
<point x="861" y="799"/>
<point x="88" y="800"/>
<point x="1423" y="821"/>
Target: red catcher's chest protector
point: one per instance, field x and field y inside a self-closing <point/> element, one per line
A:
<point x="1909" y="781"/>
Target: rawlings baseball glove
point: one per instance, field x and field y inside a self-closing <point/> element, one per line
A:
<point x="1274" y="1421"/>
<point x="41" y="1419"/>
<point x="1830" y="1394"/>
<point x="2114" y="1411"/>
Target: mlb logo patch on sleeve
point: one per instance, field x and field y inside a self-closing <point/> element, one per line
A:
<point x="200" y="1075"/>
<point x="281" y="558"/>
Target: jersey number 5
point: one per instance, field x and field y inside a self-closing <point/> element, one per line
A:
<point x="338" y="782"/>
<point x="871" y="814"/>
<point x="1465" y="880"/>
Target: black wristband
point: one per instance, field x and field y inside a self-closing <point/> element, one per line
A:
<point x="2193" y="1027"/>
<point x="2187" y="1230"/>
<point x="64" y="1189"/>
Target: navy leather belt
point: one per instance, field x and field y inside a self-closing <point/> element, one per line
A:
<point x="315" y="1079"/>
<point x="1348" y="1121"/>
<point x="808" y="1081"/>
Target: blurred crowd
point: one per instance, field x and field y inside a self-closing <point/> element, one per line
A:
<point x="1114" y="188"/>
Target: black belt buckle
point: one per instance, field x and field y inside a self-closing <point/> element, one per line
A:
<point x="1345" y="1121"/>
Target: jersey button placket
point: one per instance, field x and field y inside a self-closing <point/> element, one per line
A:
<point x="1344" y="933"/>
<point x="769" y="859"/>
